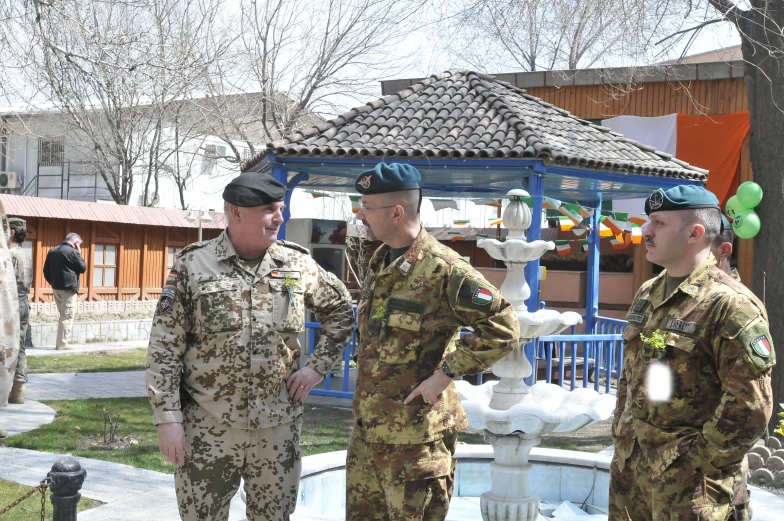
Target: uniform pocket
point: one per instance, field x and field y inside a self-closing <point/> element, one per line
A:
<point x="684" y="364"/>
<point x="401" y="339"/>
<point x="288" y="307"/>
<point x="220" y="306"/>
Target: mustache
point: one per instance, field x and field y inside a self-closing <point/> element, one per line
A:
<point x="650" y="241"/>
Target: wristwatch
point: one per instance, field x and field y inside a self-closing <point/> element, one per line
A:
<point x="446" y="370"/>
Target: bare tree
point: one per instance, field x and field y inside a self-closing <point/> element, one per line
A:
<point x="295" y="59"/>
<point x="112" y="68"/>
<point x="534" y="34"/>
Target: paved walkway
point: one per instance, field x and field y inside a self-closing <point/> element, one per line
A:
<point x="74" y="386"/>
<point x="87" y="348"/>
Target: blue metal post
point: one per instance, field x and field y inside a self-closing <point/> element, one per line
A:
<point x="592" y="283"/>
<point x="536" y="190"/>
<point x="280" y="174"/>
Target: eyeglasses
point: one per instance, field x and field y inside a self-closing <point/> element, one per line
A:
<point x="366" y="209"/>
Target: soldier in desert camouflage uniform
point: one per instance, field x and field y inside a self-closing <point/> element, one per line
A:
<point x="415" y="299"/>
<point x="9" y="314"/>
<point x="223" y="372"/>
<point x="23" y="271"/>
<point x="680" y="459"/>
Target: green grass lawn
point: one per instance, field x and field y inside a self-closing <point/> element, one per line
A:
<point x="98" y="361"/>
<point x="30" y="508"/>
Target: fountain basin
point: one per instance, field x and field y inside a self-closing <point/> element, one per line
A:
<point x="557" y="475"/>
<point x="547" y="408"/>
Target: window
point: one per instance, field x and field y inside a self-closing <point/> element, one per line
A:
<point x="105" y="261"/>
<point x="50" y="151"/>
<point x="211" y="155"/>
<point x="171" y="256"/>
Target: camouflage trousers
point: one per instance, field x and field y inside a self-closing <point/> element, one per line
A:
<point x="269" y="460"/>
<point x="680" y="493"/>
<point x="21" y="361"/>
<point x="387" y="482"/>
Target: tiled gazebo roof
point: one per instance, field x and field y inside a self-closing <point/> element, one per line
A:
<point x="468" y="115"/>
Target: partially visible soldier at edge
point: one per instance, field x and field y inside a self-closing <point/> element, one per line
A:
<point x="417" y="296"/>
<point x="721" y="248"/>
<point x="23" y="272"/>
<point x="9" y="315"/>
<point x="223" y="372"/>
<point x="681" y="459"/>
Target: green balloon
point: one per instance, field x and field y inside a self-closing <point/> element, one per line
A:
<point x="749" y="194"/>
<point x="746" y="224"/>
<point x="734" y="206"/>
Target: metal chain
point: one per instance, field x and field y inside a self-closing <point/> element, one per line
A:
<point x="42" y="486"/>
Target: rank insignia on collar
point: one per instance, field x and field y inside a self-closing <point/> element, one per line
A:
<point x="404" y="267"/>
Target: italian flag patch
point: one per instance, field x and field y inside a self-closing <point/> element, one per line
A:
<point x="482" y="296"/>
<point x="761" y="346"/>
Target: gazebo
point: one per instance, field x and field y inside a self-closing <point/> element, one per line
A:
<point x="473" y="136"/>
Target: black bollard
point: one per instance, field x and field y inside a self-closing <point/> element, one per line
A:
<point x="65" y="480"/>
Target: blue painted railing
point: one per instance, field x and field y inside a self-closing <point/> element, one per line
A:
<point x="595" y="355"/>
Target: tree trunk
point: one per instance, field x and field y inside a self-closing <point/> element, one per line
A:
<point x="764" y="77"/>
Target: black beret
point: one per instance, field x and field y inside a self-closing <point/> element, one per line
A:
<point x="681" y="197"/>
<point x="387" y="177"/>
<point x="253" y="189"/>
<point x="15" y="223"/>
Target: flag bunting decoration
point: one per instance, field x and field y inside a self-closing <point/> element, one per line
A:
<point x="355" y="202"/>
<point x="616" y="222"/>
<point x="495" y="221"/>
<point x="563" y="247"/>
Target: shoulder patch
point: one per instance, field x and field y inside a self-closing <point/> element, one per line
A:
<point x="474" y="294"/>
<point x="294" y="246"/>
<point x="166" y="301"/>
<point x="758" y="345"/>
<point x="191" y="247"/>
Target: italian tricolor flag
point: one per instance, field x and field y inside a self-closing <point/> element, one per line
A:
<point x="616" y="222"/>
<point x="355" y="201"/>
<point x="572" y="211"/>
<point x="563" y="247"/>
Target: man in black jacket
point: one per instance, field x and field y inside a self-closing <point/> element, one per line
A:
<point x="62" y="268"/>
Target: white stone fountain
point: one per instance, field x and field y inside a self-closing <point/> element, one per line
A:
<point x="514" y="415"/>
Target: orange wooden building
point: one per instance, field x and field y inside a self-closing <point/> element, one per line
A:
<point x="709" y="89"/>
<point x="128" y="249"/>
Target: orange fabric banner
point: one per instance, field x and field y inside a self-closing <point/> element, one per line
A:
<point x="714" y="143"/>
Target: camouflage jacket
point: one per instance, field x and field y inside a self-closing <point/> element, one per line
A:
<point x="409" y="318"/>
<point x="22" y="271"/>
<point x="9" y="312"/>
<point x="720" y="352"/>
<point x="229" y="335"/>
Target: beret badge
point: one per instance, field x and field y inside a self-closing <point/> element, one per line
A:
<point x="656" y="200"/>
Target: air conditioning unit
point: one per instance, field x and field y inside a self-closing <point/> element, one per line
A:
<point x="9" y="181"/>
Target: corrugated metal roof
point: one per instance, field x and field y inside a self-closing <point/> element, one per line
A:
<point x="25" y="206"/>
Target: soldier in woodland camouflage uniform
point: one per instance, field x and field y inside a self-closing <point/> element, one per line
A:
<point x="680" y="459"/>
<point x="721" y="248"/>
<point x="223" y="372"/>
<point x="415" y="299"/>
<point x="23" y="271"/>
<point x="9" y="314"/>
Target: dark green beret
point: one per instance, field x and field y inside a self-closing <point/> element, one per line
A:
<point x="253" y="189"/>
<point x="15" y="223"/>
<point x="682" y="197"/>
<point x="387" y="177"/>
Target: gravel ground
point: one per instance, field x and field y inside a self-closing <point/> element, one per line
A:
<point x="92" y="317"/>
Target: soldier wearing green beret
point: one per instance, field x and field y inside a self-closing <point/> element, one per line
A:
<point x="9" y="315"/>
<point x="223" y="374"/>
<point x="23" y="272"/>
<point x="417" y="296"/>
<point x="702" y="335"/>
